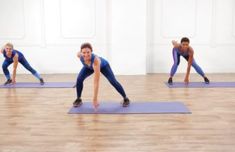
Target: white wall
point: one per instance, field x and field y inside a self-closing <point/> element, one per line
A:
<point x="134" y="35"/>
<point x="52" y="31"/>
<point x="128" y="36"/>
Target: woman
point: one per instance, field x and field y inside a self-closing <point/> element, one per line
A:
<point x="15" y="57"/>
<point x="94" y="64"/>
<point x="183" y="49"/>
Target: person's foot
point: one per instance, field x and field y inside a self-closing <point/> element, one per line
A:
<point x="77" y="102"/>
<point x="126" y="102"/>
<point x="207" y="81"/>
<point x="8" y="82"/>
<point x="170" y="81"/>
<point x="42" y="81"/>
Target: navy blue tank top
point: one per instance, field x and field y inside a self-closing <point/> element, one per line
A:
<point x="186" y="53"/>
<point x="102" y="60"/>
<point x="14" y="52"/>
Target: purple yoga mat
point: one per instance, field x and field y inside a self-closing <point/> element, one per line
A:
<point x="38" y="85"/>
<point x="134" y="108"/>
<point x="202" y="85"/>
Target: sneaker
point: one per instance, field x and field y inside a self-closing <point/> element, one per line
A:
<point x="8" y="82"/>
<point x="42" y="81"/>
<point x="170" y="81"/>
<point x="126" y="102"/>
<point x="207" y="81"/>
<point x="77" y="102"/>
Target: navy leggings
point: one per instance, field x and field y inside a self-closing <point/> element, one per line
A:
<point x="23" y="61"/>
<point x="176" y="57"/>
<point x="106" y="71"/>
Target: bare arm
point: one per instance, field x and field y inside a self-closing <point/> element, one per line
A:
<point x="190" y="61"/>
<point x="79" y="55"/>
<point x="15" y="64"/>
<point x="1" y="50"/>
<point x="96" y="67"/>
<point x="175" y="44"/>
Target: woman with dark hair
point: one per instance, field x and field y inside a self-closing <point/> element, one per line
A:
<point x="95" y="64"/>
<point x="183" y="49"/>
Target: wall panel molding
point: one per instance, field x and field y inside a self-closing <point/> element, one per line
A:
<point x="22" y="16"/>
<point x="162" y="21"/>
<point x="93" y="32"/>
<point x="215" y="43"/>
<point x="233" y="19"/>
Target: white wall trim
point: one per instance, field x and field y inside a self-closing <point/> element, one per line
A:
<point x="21" y="37"/>
<point x="149" y="34"/>
<point x="213" y="28"/>
<point x="77" y="37"/>
<point x="43" y="25"/>
<point x="172" y="37"/>
<point x="109" y="29"/>
<point x="233" y="19"/>
<point x="214" y="43"/>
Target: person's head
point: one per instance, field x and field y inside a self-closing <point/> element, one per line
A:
<point x="185" y="43"/>
<point x="8" y="47"/>
<point x="86" y="51"/>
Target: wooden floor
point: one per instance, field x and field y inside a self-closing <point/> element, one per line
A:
<point x="36" y="120"/>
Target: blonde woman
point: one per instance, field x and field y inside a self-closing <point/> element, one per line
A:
<point x="13" y="56"/>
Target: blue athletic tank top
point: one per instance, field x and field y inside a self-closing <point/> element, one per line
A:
<point x="102" y="64"/>
<point x="182" y="53"/>
<point x="20" y="55"/>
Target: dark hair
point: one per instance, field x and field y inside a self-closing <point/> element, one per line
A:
<point x="185" y="39"/>
<point x="86" y="45"/>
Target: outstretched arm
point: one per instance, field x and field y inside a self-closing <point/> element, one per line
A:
<point x="96" y="67"/>
<point x="190" y="61"/>
<point x="175" y="44"/>
<point x="15" y="64"/>
<point x="1" y="49"/>
<point x="79" y="54"/>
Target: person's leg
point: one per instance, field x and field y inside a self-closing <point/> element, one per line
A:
<point x="198" y="70"/>
<point x="27" y="66"/>
<point x="176" y="58"/>
<point x="108" y="73"/>
<point x="83" y="74"/>
<point x="5" y="69"/>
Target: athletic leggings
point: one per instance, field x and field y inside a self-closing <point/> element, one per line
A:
<point x="106" y="71"/>
<point x="24" y="62"/>
<point x="176" y="57"/>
